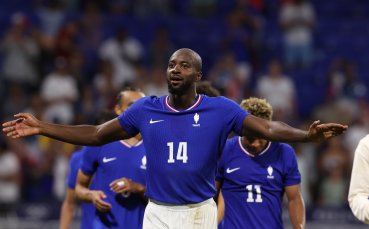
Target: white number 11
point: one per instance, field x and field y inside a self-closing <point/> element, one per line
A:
<point x="250" y="197"/>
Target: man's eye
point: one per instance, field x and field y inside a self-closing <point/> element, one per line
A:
<point x="184" y="66"/>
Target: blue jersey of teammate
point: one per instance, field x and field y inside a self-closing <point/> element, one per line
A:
<point x="182" y="147"/>
<point x="253" y="186"/>
<point x="108" y="163"/>
<point x="87" y="209"/>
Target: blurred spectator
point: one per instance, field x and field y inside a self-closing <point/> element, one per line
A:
<point x="156" y="83"/>
<point x="229" y="77"/>
<point x="10" y="179"/>
<point x="20" y="53"/>
<point x="92" y="23"/>
<point x="242" y="34"/>
<point x="279" y="90"/>
<point x="161" y="49"/>
<point x="334" y="166"/>
<point x="297" y="20"/>
<point x="16" y="100"/>
<point x="104" y="84"/>
<point x="125" y="53"/>
<point x="87" y="106"/>
<point x="60" y="91"/>
<point x="66" y="40"/>
<point x="51" y="15"/>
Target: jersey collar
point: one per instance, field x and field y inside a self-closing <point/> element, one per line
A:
<point x="130" y="146"/>
<point x="250" y="154"/>
<point x="197" y="102"/>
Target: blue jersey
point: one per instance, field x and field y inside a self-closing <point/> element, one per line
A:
<point x="253" y="186"/>
<point x="108" y="163"/>
<point x="87" y="209"/>
<point x="182" y="147"/>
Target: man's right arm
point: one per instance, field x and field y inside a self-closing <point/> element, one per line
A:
<point x="359" y="185"/>
<point x="27" y="125"/>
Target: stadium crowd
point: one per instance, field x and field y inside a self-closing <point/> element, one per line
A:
<point x="65" y="61"/>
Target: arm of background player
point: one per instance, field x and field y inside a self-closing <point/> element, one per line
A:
<point x="281" y="132"/>
<point x="220" y="205"/>
<point x="296" y="206"/>
<point x="359" y="185"/>
<point x="27" y="125"/>
<point x="67" y="210"/>
<point x="92" y="196"/>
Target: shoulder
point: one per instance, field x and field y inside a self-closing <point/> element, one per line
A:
<point x="284" y="149"/>
<point x="76" y="156"/>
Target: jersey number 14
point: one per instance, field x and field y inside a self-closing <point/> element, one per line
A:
<point x="181" y="152"/>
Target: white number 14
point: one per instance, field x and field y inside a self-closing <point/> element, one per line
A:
<point x="181" y="152"/>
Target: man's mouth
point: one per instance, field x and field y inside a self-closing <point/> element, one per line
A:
<point x="175" y="80"/>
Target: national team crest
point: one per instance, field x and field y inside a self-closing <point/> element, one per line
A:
<point x="196" y="119"/>
<point x="270" y="172"/>
<point x="143" y="163"/>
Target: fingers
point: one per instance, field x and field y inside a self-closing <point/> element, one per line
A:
<point x="100" y="204"/>
<point x="119" y="185"/>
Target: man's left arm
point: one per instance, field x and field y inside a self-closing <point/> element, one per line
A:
<point x="281" y="132"/>
<point x="296" y="206"/>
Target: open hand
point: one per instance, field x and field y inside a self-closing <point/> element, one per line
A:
<point x="24" y="125"/>
<point x="319" y="132"/>
<point x="97" y="200"/>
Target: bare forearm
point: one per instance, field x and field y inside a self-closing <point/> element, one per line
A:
<point x="66" y="215"/>
<point x="84" y="134"/>
<point x="79" y="135"/>
<point x="281" y="132"/>
<point x="296" y="210"/>
<point x="83" y="193"/>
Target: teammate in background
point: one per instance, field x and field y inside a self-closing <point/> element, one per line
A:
<point x="184" y="134"/>
<point x="358" y="196"/>
<point x="205" y="88"/>
<point x="118" y="169"/>
<point x="70" y="200"/>
<point x="254" y="174"/>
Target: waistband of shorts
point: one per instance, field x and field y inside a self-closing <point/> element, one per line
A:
<point x="192" y="205"/>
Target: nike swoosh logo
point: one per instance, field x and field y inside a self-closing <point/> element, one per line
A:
<point x="232" y="170"/>
<point x="155" y="121"/>
<point x="106" y="160"/>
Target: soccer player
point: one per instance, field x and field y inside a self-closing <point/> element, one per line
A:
<point x="118" y="169"/>
<point x="184" y="134"/>
<point x="358" y="196"/>
<point x="70" y="200"/>
<point x="254" y="174"/>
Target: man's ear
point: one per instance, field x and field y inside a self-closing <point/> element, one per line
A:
<point x="199" y="76"/>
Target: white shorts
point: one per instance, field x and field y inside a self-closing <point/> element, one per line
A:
<point x="201" y="215"/>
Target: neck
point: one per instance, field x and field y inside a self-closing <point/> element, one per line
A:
<point x="254" y="150"/>
<point x="182" y="102"/>
<point x="133" y="141"/>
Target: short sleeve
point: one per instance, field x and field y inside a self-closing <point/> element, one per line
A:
<point x="74" y="165"/>
<point x="234" y="114"/>
<point x="129" y="120"/>
<point x="89" y="160"/>
<point x="292" y="173"/>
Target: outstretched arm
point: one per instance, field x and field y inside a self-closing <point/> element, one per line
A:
<point x="296" y="206"/>
<point x="281" y="132"/>
<point x="27" y="125"/>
